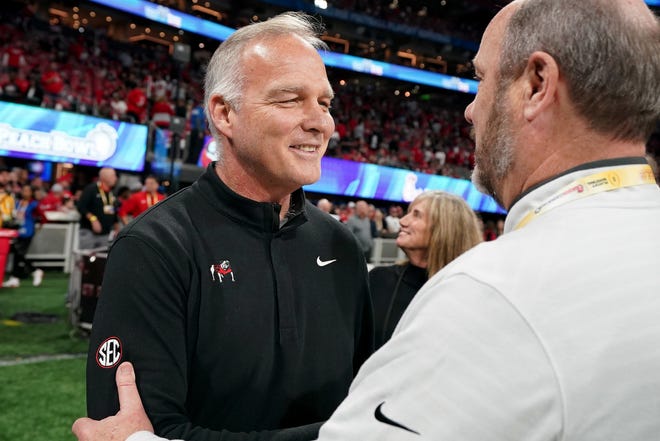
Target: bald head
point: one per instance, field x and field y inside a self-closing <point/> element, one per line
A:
<point x="563" y="83"/>
<point x="324" y="205"/>
<point x="609" y="59"/>
<point x="108" y="177"/>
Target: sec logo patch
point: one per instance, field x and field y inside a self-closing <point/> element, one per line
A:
<point x="109" y="353"/>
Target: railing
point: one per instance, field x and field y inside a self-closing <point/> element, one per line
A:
<point x="53" y="244"/>
<point x="386" y="252"/>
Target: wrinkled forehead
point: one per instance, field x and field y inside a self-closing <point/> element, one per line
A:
<point x="272" y="48"/>
<point x="283" y="54"/>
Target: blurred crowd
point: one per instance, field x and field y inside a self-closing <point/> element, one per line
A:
<point x="416" y="13"/>
<point x="370" y="221"/>
<point x="58" y="67"/>
<point x="424" y="136"/>
<point x="27" y="202"/>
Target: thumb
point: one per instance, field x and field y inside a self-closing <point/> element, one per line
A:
<point x="81" y="427"/>
<point x="129" y="397"/>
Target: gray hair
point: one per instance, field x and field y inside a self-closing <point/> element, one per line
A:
<point x="609" y="57"/>
<point x="224" y="74"/>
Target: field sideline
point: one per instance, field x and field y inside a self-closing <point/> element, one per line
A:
<point x="42" y="365"/>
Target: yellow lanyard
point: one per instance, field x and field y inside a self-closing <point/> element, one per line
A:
<point x="104" y="197"/>
<point x="622" y="177"/>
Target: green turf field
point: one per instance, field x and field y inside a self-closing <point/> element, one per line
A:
<point x="42" y="365"/>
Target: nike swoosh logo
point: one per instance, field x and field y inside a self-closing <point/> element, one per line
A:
<point x="320" y="262"/>
<point x="378" y="413"/>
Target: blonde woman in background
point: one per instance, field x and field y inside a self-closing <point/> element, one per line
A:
<point x="438" y="227"/>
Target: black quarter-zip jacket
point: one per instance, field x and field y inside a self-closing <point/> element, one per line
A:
<point x="238" y="328"/>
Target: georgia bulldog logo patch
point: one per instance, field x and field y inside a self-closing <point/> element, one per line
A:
<point x="221" y="271"/>
<point x="109" y="353"/>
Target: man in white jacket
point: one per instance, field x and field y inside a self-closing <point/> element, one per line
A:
<point x="550" y="332"/>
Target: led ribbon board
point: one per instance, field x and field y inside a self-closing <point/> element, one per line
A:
<point x="49" y="135"/>
<point x="180" y="20"/>
<point x="170" y="17"/>
<point x="382" y="69"/>
<point x="372" y="181"/>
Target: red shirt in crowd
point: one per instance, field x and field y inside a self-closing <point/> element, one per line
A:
<point x="162" y="113"/>
<point x="139" y="202"/>
<point x="14" y="57"/>
<point x="53" y="201"/>
<point x="52" y="82"/>
<point x="136" y="102"/>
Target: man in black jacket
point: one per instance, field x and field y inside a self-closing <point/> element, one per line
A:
<point x="244" y="309"/>
<point x="97" y="208"/>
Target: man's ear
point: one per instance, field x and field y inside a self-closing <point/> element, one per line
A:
<point x="220" y="113"/>
<point x="541" y="79"/>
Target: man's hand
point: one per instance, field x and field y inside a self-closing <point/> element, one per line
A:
<point x="96" y="226"/>
<point x="131" y="417"/>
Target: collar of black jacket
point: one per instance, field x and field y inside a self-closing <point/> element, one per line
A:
<point x="264" y="216"/>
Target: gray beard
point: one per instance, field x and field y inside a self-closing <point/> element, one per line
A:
<point x="495" y="159"/>
<point x="487" y="184"/>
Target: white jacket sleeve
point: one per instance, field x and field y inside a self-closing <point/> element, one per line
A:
<point x="143" y="435"/>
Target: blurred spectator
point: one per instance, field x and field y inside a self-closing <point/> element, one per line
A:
<point x="141" y="201"/>
<point x="162" y="112"/>
<point x="159" y="89"/>
<point x="392" y="219"/>
<point x="7" y="202"/>
<point x="38" y="193"/>
<point x="37" y="184"/>
<point x="98" y="221"/>
<point x="56" y="200"/>
<point x="327" y="207"/>
<point x="35" y="93"/>
<point x="360" y="225"/>
<point x="66" y="181"/>
<point x="197" y="131"/>
<point x="25" y="218"/>
<point x="136" y="102"/>
<point x="438" y="228"/>
<point x="20" y="177"/>
<point x="123" y="194"/>
<point x="15" y="87"/>
<point x="13" y="58"/>
<point x="490" y="231"/>
<point x="377" y="218"/>
<point x="118" y="106"/>
<point x="52" y="84"/>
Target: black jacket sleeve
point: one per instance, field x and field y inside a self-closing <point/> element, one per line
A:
<point x="365" y="337"/>
<point x="143" y="310"/>
<point x="382" y="281"/>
